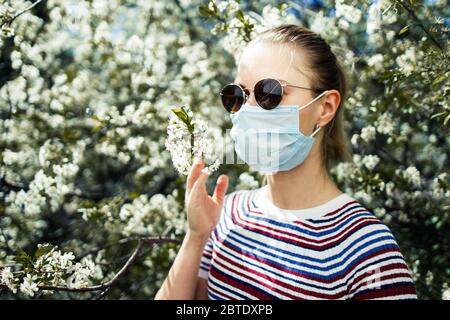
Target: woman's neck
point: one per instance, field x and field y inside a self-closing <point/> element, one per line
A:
<point x="306" y="186"/>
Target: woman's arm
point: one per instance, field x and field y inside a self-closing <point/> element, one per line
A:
<point x="380" y="270"/>
<point x="203" y="213"/>
<point x="181" y="282"/>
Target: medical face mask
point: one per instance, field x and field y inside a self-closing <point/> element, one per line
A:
<point x="269" y="140"/>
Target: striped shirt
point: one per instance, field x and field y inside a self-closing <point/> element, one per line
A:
<point x="338" y="250"/>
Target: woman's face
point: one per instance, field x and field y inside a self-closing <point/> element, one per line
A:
<point x="264" y="60"/>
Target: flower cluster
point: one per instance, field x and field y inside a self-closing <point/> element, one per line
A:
<point x="149" y="216"/>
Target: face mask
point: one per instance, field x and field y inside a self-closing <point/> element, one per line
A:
<point x="270" y="140"/>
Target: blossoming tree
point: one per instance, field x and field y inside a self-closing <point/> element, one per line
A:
<point x="95" y="143"/>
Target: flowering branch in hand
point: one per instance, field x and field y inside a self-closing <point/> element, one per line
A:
<point x="189" y="138"/>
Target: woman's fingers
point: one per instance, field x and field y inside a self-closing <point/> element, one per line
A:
<point x="199" y="186"/>
<point x="221" y="188"/>
<point x="194" y="173"/>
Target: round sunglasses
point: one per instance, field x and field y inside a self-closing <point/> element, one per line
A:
<point x="268" y="94"/>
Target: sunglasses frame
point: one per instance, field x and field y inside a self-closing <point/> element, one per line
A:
<point x="246" y="92"/>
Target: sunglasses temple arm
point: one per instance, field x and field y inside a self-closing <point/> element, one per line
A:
<point x="312" y="101"/>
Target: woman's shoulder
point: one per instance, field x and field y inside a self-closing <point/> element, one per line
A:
<point x="354" y="217"/>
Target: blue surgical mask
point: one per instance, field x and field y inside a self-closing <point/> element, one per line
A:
<point x="269" y="140"/>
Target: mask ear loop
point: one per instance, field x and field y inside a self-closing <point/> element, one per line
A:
<point x="316" y="98"/>
<point x="317" y="130"/>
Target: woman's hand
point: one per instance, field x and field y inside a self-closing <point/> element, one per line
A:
<point x="203" y="210"/>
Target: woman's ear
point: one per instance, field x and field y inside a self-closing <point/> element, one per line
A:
<point x="330" y="104"/>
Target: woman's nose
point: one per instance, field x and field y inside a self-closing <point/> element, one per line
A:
<point x="251" y="101"/>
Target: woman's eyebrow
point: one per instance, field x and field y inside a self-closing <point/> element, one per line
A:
<point x="235" y="81"/>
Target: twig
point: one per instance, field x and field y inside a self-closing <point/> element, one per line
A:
<point x="20" y="13"/>
<point x="134" y="256"/>
<point x="163" y="238"/>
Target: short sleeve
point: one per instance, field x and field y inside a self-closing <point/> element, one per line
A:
<point x="205" y="261"/>
<point x="382" y="273"/>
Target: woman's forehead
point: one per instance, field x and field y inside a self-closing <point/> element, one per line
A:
<point x="262" y="60"/>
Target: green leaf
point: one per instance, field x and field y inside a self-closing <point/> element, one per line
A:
<point x="447" y="118"/>
<point x="437" y="115"/>
<point x="183" y="116"/>
<point x="204" y="11"/>
<point x="439" y="80"/>
<point x="24" y="259"/>
<point x="403" y="30"/>
<point x="43" y="250"/>
<point x="240" y="15"/>
<point x="133" y="194"/>
<point x="96" y="128"/>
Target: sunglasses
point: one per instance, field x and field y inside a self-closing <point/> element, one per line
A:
<point x="268" y="94"/>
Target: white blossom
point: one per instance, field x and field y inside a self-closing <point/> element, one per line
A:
<point x="407" y="60"/>
<point x="384" y="124"/>
<point x="83" y="272"/>
<point x="390" y="188"/>
<point x="445" y="292"/>
<point x="368" y="133"/>
<point x="370" y="161"/>
<point x="376" y="61"/>
<point x="437" y="186"/>
<point x="354" y="139"/>
<point x="247" y="182"/>
<point x="7" y="278"/>
<point x="348" y="12"/>
<point x="411" y="174"/>
<point x="28" y="286"/>
<point x="141" y="216"/>
<point x="374" y="19"/>
<point x="380" y="212"/>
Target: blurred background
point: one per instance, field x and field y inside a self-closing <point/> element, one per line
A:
<point x="86" y="90"/>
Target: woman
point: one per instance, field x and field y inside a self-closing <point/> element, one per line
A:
<point x="299" y="236"/>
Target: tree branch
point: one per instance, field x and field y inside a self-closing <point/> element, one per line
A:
<point x="163" y="237"/>
<point x="105" y="287"/>
<point x="420" y="24"/>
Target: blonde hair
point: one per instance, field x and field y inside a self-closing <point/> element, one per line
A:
<point x="327" y="74"/>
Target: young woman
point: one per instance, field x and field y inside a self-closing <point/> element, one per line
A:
<point x="299" y="236"/>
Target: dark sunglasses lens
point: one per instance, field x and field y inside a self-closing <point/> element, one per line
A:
<point x="268" y="93"/>
<point x="232" y="97"/>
